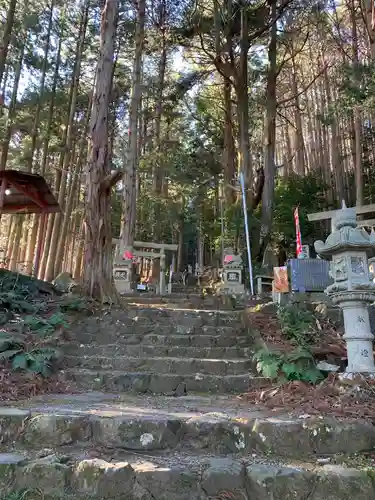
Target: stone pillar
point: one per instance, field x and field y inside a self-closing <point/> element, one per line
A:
<point x="353" y="290"/>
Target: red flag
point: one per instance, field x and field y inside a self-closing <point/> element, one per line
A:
<point x="298" y="233"/>
<point x="228" y="259"/>
<point x="127" y="255"/>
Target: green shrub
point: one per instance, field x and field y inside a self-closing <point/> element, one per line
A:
<point x="297" y="365"/>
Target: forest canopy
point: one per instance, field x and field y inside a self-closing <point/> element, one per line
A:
<point x="140" y="115"/>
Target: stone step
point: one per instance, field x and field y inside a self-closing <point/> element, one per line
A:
<point x="191" y="424"/>
<point x="170" y="340"/>
<point x="165" y="316"/>
<point x="119" y="330"/>
<point x="185" y="366"/>
<point x="158" y="351"/>
<point x="162" y="383"/>
<point x="176" y="477"/>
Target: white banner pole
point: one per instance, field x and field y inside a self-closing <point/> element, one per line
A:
<point x="242" y="182"/>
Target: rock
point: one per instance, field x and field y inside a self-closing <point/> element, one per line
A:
<point x="133" y="434"/>
<point x="265" y="482"/>
<point x="327" y="367"/>
<point x="162" y="384"/>
<point x="216" y="432"/>
<point x="224" y="475"/>
<point x="56" y="430"/>
<point x="46" y="475"/>
<point x="331" y="436"/>
<point x="12" y="422"/>
<point x="64" y="282"/>
<point x="103" y="479"/>
<point x="336" y="482"/>
<point x="299" y="439"/>
<point x="322" y="310"/>
<point x="165" y="483"/>
<point x="8" y="467"/>
<point x="282" y="437"/>
<point x="180" y="390"/>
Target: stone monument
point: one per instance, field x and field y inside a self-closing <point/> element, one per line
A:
<point x="122" y="270"/>
<point x="353" y="290"/>
<point x="232" y="274"/>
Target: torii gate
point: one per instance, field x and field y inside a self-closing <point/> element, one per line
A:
<point x="330" y="214"/>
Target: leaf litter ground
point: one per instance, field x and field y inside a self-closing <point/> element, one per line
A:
<point x="31" y="332"/>
<point x="332" y="396"/>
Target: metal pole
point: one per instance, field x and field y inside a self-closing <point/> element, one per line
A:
<point x="242" y="182"/>
<point x="222" y="229"/>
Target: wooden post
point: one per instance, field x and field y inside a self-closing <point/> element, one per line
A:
<point x="162" y="272"/>
<point x="40" y="243"/>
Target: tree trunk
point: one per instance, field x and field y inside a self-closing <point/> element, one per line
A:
<point x="241" y="88"/>
<point x="299" y="139"/>
<point x="34" y="133"/>
<point x="73" y="187"/>
<point x="6" y="36"/>
<point x="269" y="163"/>
<point x="66" y="155"/>
<point x="98" y="279"/>
<point x="12" y="109"/>
<point x="229" y="153"/>
<point x="158" y="169"/>
<point x="129" y="193"/>
<point x="335" y="144"/>
<point x="45" y="159"/>
<point x="31" y="242"/>
<point x="357" y="113"/>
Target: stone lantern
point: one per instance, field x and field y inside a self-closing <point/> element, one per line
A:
<point x="353" y="290"/>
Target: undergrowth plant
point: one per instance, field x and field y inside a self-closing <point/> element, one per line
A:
<point x="296" y="365"/>
<point x="23" y="495"/>
<point x="45" y="326"/>
<point x="297" y="325"/>
<point x="22" y="352"/>
<point x="30" y="345"/>
<point x="37" y="360"/>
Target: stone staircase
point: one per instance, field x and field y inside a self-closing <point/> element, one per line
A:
<point x="163" y="349"/>
<point x="138" y="443"/>
<point x="102" y="446"/>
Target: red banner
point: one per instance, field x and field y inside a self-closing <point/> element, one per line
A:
<point x="298" y="233"/>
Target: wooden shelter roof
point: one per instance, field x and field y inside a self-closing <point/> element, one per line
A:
<point x="25" y="193"/>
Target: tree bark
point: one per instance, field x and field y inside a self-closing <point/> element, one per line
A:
<point x="269" y="163"/>
<point x="130" y="191"/>
<point x="12" y="108"/>
<point x="357" y="113"/>
<point x="98" y="278"/>
<point x="158" y="168"/>
<point x="241" y="88"/>
<point x="66" y="155"/>
<point x="6" y="37"/>
<point x="229" y="153"/>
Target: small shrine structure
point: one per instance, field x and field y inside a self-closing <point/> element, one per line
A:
<point x="124" y="258"/>
<point x="26" y="193"/>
